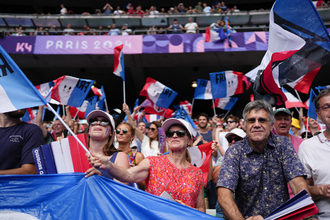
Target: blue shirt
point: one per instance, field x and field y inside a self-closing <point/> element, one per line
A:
<point x="259" y="180"/>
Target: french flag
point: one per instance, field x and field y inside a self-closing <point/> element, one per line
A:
<point x="151" y="108"/>
<point x="203" y="90"/>
<point x="29" y="116"/>
<point x="311" y="105"/>
<point x="226" y="83"/>
<point x="213" y="35"/>
<point x="45" y="88"/>
<point x="16" y="90"/>
<point x="292" y="101"/>
<point x="152" y="117"/>
<point x="226" y="103"/>
<point x="201" y="157"/>
<point x="158" y="93"/>
<point x="299" y="45"/>
<point x="187" y="106"/>
<point x="71" y="91"/>
<point x="119" y="68"/>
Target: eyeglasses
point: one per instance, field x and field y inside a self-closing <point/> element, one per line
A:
<point x="230" y="121"/>
<point x="325" y="107"/>
<point x="124" y="131"/>
<point x="102" y="122"/>
<point x="180" y="133"/>
<point x="260" y="120"/>
<point x="236" y="139"/>
<point x="153" y="129"/>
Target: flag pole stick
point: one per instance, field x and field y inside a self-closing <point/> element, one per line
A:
<point x="76" y="115"/>
<point x="68" y="128"/>
<point x="124" y="91"/>
<point x="106" y="105"/>
<point x="226" y="114"/>
<point x="213" y="107"/>
<point x="192" y="106"/>
<point x="63" y="109"/>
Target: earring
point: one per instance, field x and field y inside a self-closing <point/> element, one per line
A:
<point x="130" y="141"/>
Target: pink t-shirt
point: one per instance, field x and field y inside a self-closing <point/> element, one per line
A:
<point x="296" y="141"/>
<point x="181" y="184"/>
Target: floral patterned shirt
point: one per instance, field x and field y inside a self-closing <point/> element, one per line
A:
<point x="259" y="180"/>
<point x="181" y="184"/>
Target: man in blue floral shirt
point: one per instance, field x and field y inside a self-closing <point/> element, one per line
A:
<point x="258" y="168"/>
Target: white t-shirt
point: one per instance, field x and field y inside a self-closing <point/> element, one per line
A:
<point x="191" y="27"/>
<point x="314" y="154"/>
<point x="224" y="144"/>
<point x="126" y="32"/>
<point x="145" y="147"/>
<point x="207" y="10"/>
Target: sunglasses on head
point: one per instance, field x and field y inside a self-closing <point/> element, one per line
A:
<point x="180" y="133"/>
<point x="230" y="139"/>
<point x="124" y="131"/>
<point x="103" y="122"/>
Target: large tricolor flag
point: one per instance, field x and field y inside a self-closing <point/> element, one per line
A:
<point x="299" y="45"/>
<point x="226" y="83"/>
<point x="203" y="90"/>
<point x="119" y="67"/>
<point x="16" y="90"/>
<point x="151" y="108"/>
<point x="72" y="196"/>
<point x="292" y="101"/>
<point x="158" y="93"/>
<point x="70" y="90"/>
<point x="226" y="103"/>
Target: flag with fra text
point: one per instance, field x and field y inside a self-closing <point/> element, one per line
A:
<point x="226" y="83"/>
<point x="151" y="108"/>
<point x="203" y="90"/>
<point x="159" y="94"/>
<point x="70" y="90"/>
<point x="16" y="90"/>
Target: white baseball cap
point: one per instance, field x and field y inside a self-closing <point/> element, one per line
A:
<point x="174" y="121"/>
<point x="236" y="131"/>
<point x="100" y="113"/>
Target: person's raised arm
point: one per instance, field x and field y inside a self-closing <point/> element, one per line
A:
<point x="133" y="175"/>
<point x="39" y="121"/>
<point x="138" y="133"/>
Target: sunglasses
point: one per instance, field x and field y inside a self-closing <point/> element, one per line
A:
<point x="180" y="133"/>
<point x="124" y="131"/>
<point x="103" y="122"/>
<point x="153" y="129"/>
<point x="236" y="139"/>
<point x="230" y="121"/>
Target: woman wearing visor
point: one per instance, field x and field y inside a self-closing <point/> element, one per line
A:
<point x="100" y="141"/>
<point x="171" y="173"/>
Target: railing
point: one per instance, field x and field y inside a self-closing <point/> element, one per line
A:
<point x="240" y="21"/>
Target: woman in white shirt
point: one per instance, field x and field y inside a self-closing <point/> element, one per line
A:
<point x="149" y="142"/>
